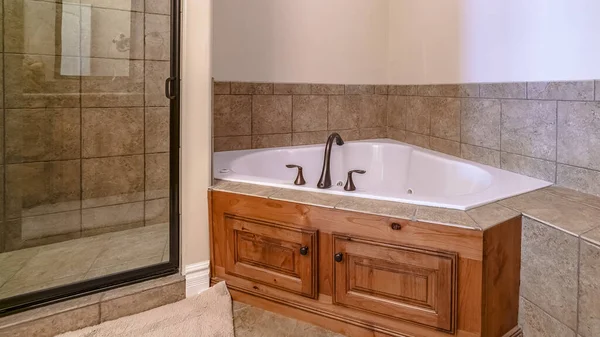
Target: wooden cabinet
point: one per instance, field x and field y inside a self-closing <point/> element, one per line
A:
<point x="271" y="253"/>
<point x="397" y="282"/>
<point x="366" y="275"/>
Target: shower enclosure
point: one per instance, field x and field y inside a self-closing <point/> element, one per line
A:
<point x="89" y="146"/>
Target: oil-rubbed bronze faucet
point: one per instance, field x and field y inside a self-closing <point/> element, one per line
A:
<point x="325" y="180"/>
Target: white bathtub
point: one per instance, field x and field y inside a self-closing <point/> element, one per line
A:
<point x="395" y="171"/>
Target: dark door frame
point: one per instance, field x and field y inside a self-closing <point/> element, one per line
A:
<point x="43" y="297"/>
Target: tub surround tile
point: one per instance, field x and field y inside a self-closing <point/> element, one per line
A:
<point x="445" y="216"/>
<point x="275" y="140"/>
<point x="327" y="89"/>
<point x="377" y="207"/>
<point x="418" y="115"/>
<point x="397" y="107"/>
<point x="402" y="90"/>
<point x="480" y="155"/>
<point x="372" y="111"/>
<point x="309" y="113"/>
<point x="103" y="89"/>
<point x="112" y="180"/>
<point x="112" y="131"/>
<point x="417" y="139"/>
<point x="233" y="143"/>
<point x="597" y="94"/>
<point x="572" y="194"/>
<point x="503" y="90"/>
<point x="343" y="112"/>
<point x="381" y="89"/>
<point x="579" y="134"/>
<point x="271" y="114"/>
<point x="564" y="91"/>
<point x="221" y="88"/>
<point x="156" y="130"/>
<point x="445" y="146"/>
<point x="492" y="214"/>
<point x="157" y="37"/>
<point x="570" y="216"/>
<point x="372" y="133"/>
<point x="579" y="179"/>
<point x="529" y="128"/>
<point x="309" y="138"/>
<point x="535" y="322"/>
<point x="309" y="198"/>
<point x="243" y="188"/>
<point x="359" y="89"/>
<point x="157" y="176"/>
<point x="592" y="236"/>
<point x="347" y="135"/>
<point x="291" y="89"/>
<point x="155" y="73"/>
<point x="232" y="115"/>
<point x="589" y="287"/>
<point x="445" y="117"/>
<point x="396" y="134"/>
<point x="549" y="259"/>
<point x="249" y="88"/>
<point x="449" y="90"/>
<point x="480" y="122"/>
<point x="532" y="167"/>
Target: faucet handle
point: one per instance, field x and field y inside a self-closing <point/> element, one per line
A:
<point x="350" y="183"/>
<point x="299" y="178"/>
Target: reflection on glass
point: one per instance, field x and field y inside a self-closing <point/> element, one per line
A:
<point x="86" y="124"/>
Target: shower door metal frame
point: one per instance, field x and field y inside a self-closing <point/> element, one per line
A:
<point x="43" y="297"/>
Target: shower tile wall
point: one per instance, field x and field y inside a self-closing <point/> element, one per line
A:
<point x="85" y="120"/>
<point x="547" y="130"/>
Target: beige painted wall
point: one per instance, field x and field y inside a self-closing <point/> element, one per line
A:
<point x="196" y="148"/>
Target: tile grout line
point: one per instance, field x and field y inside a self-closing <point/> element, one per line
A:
<point x="556" y="145"/>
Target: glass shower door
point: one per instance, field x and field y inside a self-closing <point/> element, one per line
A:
<point x="89" y="150"/>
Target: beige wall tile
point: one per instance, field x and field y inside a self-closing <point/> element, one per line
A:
<point x="480" y="122"/>
<point x="309" y="138"/>
<point x="112" y="132"/>
<point x="157" y="37"/>
<point x="157" y="129"/>
<point x="291" y="89"/>
<point x="42" y="187"/>
<point x="42" y="134"/>
<point x="156" y="211"/>
<point x="445" y="146"/>
<point x="396" y="111"/>
<point x="532" y="167"/>
<point x="597" y="86"/>
<point x="416" y="139"/>
<point x="347" y="135"/>
<point x="529" y="128"/>
<point x="579" y="134"/>
<point x="491" y="214"/>
<point x="549" y="270"/>
<point x="381" y="89"/>
<point x="109" y="24"/>
<point x="31" y="82"/>
<point x="418" y="118"/>
<point x="575" y="90"/>
<point x="232" y="143"/>
<point x="113" y="83"/>
<point x="157" y="176"/>
<point x="396" y="134"/>
<point x="112" y="180"/>
<point x="444" y="216"/>
<point x="133" y="5"/>
<point x="359" y="89"/>
<point x="221" y="88"/>
<point x="232" y="115"/>
<point x="503" y="90"/>
<point x="250" y="88"/>
<point x="155" y="74"/>
<point x="579" y="179"/>
<point x="480" y="155"/>
<point x="309" y="113"/>
<point x="327" y="89"/>
<point x="122" y="215"/>
<point x="372" y="133"/>
<point x="402" y="90"/>
<point x="589" y="290"/>
<point x="274" y="140"/>
<point x="445" y="117"/>
<point x="271" y="114"/>
<point x="372" y="111"/>
<point x="343" y="112"/>
<point x="158" y="6"/>
<point x="449" y="90"/>
<point x="41" y="226"/>
<point x="535" y="322"/>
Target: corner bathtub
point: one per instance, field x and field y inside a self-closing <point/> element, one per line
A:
<point x="395" y="172"/>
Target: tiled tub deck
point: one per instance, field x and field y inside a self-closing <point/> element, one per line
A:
<point x="560" y="273"/>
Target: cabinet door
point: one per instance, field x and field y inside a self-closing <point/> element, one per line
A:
<point x="398" y="282"/>
<point x="274" y="254"/>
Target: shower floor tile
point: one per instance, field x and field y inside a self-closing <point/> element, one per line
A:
<point x="62" y="263"/>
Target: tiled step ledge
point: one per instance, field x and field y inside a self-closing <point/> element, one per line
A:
<point x="94" y="309"/>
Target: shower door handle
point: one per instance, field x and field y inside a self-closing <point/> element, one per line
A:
<point x="170" y="88"/>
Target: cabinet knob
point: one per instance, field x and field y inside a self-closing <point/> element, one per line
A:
<point x="338" y="257"/>
<point x="303" y="250"/>
<point x="396" y="226"/>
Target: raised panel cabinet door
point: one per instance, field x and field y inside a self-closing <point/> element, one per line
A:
<point x="275" y="254"/>
<point x="398" y="282"/>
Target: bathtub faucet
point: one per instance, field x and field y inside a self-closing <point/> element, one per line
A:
<point x="325" y="180"/>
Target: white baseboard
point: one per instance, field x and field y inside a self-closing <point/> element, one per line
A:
<point x="197" y="278"/>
